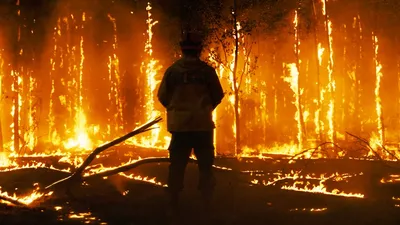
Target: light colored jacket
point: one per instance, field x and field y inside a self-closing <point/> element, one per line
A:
<point x="190" y="90"/>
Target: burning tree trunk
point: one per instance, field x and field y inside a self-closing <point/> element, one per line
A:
<point x="235" y="83"/>
<point x="331" y="85"/>
<point x="318" y="122"/>
<point x="1" y="101"/>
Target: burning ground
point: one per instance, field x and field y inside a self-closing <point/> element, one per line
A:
<point x="250" y="190"/>
<point x="307" y="132"/>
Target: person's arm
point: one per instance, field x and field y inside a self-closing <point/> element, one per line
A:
<point x="217" y="93"/>
<point x="164" y="92"/>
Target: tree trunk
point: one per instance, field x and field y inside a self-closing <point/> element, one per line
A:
<point x="235" y="79"/>
<point x="1" y="131"/>
<point x="319" y="104"/>
<point x="331" y="86"/>
<point x="1" y="105"/>
<point x="297" y="53"/>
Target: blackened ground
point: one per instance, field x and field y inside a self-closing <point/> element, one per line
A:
<point x="236" y="201"/>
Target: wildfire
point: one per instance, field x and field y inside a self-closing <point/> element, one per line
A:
<point x="144" y="179"/>
<point x="26" y="199"/>
<point x="150" y="68"/>
<point x="308" y="187"/>
<point x="293" y="80"/>
<point x="308" y="209"/>
<point x="377" y="141"/>
<point x="115" y="95"/>
<point x="4" y="161"/>
<point x="321" y="189"/>
<point x="68" y="109"/>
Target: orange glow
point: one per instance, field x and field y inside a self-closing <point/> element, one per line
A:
<point x="150" y="68"/>
<point x="57" y="109"/>
<point x="377" y="140"/>
<point x="28" y="198"/>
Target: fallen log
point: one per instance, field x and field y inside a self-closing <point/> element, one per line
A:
<point x="77" y="175"/>
<point x="12" y="201"/>
<point x="140" y="162"/>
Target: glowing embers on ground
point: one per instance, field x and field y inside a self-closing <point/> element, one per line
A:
<point x="14" y="162"/>
<point x="392" y="178"/>
<point x="85" y="217"/>
<point x="308" y="210"/>
<point x="26" y="198"/>
<point x="141" y="178"/>
<point x="302" y="183"/>
<point x="99" y="168"/>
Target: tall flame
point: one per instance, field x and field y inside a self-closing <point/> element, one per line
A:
<point x="379" y="140"/>
<point x="1" y="103"/>
<point x="150" y="68"/>
<point x="294" y="85"/>
<point x="331" y="82"/>
<point x="115" y="95"/>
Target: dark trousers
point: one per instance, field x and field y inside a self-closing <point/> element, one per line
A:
<point x="180" y="149"/>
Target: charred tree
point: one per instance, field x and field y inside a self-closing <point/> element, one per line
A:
<point x="235" y="79"/>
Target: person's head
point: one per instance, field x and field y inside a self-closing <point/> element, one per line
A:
<point x="191" y="44"/>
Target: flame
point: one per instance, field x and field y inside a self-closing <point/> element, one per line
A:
<point x="309" y="209"/>
<point x="1" y="103"/>
<point x="144" y="179"/>
<point x="293" y="80"/>
<point x="4" y="160"/>
<point x="74" y="128"/>
<point x="299" y="179"/>
<point x="115" y="95"/>
<point x="28" y="198"/>
<point x="321" y="189"/>
<point x="319" y="126"/>
<point x="378" y="140"/>
<point x="150" y="68"/>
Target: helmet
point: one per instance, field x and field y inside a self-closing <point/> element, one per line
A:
<point x="191" y="41"/>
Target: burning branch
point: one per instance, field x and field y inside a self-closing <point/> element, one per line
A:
<point x="127" y="167"/>
<point x="77" y="175"/>
<point x="11" y="200"/>
<point x="372" y="149"/>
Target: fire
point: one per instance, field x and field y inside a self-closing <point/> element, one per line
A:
<point x="377" y="141"/>
<point x="300" y="180"/>
<point x="150" y="69"/>
<point x="28" y="198"/>
<point x="332" y="85"/>
<point x="115" y="95"/>
<point x="144" y="179"/>
<point x="72" y="56"/>
<point x="293" y="80"/>
<point x="321" y="189"/>
<point x="70" y="127"/>
<point x="4" y="161"/>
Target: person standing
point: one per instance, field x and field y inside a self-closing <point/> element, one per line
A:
<point x="190" y="90"/>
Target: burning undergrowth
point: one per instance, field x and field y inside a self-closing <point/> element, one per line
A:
<point x="282" y="128"/>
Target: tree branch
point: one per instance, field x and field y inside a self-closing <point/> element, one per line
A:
<point x="77" y="175"/>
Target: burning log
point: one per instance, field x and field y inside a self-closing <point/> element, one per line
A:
<point x="137" y="163"/>
<point x="127" y="167"/>
<point x="12" y="201"/>
<point x="77" y="175"/>
<point x="372" y="149"/>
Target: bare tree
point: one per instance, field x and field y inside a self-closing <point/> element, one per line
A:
<point x="230" y="42"/>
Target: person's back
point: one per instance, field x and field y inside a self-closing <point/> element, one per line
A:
<point x="191" y="102"/>
<point x="190" y="91"/>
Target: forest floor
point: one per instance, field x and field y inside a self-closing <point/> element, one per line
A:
<point x="119" y="200"/>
